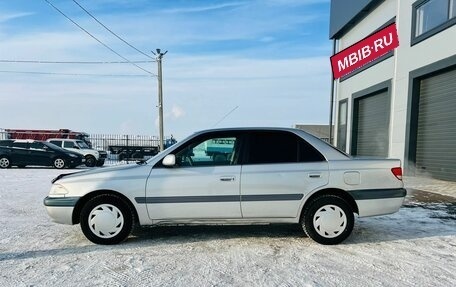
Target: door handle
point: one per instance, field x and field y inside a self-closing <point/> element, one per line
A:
<point x="227" y="178"/>
<point x="314" y="175"/>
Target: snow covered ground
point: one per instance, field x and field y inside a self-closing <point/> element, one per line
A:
<point x="415" y="247"/>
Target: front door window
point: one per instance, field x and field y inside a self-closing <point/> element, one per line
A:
<point x="217" y="151"/>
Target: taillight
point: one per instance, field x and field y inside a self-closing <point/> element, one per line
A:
<point x="397" y="171"/>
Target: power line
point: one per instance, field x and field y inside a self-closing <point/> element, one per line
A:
<point x="110" y="31"/>
<point x="72" y="62"/>
<point x="72" y="74"/>
<point x="95" y="38"/>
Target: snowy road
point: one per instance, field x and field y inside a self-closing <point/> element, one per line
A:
<point x="415" y="247"/>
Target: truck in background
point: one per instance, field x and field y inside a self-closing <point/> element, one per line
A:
<point x="44" y="135"/>
<point x="134" y="148"/>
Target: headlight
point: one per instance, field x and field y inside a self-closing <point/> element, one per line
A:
<point x="73" y="155"/>
<point x="58" y="189"/>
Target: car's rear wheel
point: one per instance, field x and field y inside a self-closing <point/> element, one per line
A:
<point x="5" y="162"/>
<point x="91" y="161"/>
<point x="328" y="219"/>
<point x="106" y="219"/>
<point x="59" y="163"/>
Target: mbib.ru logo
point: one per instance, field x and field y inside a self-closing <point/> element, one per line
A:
<point x="364" y="51"/>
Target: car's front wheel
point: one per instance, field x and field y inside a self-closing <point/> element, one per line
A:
<point x="328" y="219"/>
<point x="106" y="219"/>
<point x="5" y="162"/>
<point x="59" y="163"/>
<point x="91" y="161"/>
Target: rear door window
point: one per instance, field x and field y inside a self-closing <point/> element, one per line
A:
<point x="68" y="144"/>
<point x="270" y="147"/>
<point x="37" y="145"/>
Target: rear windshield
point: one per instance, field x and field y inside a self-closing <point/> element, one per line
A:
<point x="6" y="143"/>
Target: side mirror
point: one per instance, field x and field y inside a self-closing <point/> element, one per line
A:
<point x="169" y="160"/>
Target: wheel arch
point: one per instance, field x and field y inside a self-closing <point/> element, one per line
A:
<point x="83" y="200"/>
<point x="332" y="191"/>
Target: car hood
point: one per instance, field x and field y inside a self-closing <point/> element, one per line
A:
<point x="96" y="171"/>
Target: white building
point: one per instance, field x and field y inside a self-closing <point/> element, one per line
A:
<point x="402" y="105"/>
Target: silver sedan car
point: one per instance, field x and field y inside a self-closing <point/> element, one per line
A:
<point x="231" y="176"/>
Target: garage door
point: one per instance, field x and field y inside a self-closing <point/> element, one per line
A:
<point x="436" y="138"/>
<point x="371" y="125"/>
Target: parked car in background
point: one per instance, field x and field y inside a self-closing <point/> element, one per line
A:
<point x="266" y="175"/>
<point x="38" y="153"/>
<point x="92" y="157"/>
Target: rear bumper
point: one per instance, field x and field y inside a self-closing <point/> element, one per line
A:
<point x="378" y="201"/>
<point x="60" y="209"/>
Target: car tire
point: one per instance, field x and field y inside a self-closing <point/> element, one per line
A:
<point x="5" y="162"/>
<point x="100" y="162"/>
<point x="328" y="219"/>
<point x="106" y="219"/>
<point x="59" y="163"/>
<point x="91" y="161"/>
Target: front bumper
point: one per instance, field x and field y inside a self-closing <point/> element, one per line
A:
<point x="378" y="201"/>
<point x="60" y="209"/>
<point x="103" y="154"/>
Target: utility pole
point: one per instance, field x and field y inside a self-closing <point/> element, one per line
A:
<point x="159" y="55"/>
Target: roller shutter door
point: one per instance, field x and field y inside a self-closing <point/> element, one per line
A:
<point x="372" y="125"/>
<point x="436" y="133"/>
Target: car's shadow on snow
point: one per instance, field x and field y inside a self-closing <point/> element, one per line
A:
<point x="182" y="234"/>
<point x="411" y="222"/>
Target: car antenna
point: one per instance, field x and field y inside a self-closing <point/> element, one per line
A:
<point x="225" y="116"/>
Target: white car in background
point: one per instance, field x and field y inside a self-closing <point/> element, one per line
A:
<point x="265" y="175"/>
<point x="92" y="157"/>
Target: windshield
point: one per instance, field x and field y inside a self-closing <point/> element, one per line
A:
<point x="82" y="144"/>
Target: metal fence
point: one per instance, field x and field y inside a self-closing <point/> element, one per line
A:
<point x="120" y="148"/>
<point x="115" y="148"/>
<point x="3" y="134"/>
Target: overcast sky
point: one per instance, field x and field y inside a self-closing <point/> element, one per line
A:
<point x="269" y="58"/>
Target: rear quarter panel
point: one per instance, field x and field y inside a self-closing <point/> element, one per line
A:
<point x="375" y="186"/>
<point x="372" y="174"/>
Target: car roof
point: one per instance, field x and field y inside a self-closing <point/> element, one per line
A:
<point x="60" y="139"/>
<point x="24" y="141"/>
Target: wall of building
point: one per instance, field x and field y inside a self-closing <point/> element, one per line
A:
<point x="406" y="59"/>
<point x="409" y="58"/>
<point x="376" y="74"/>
